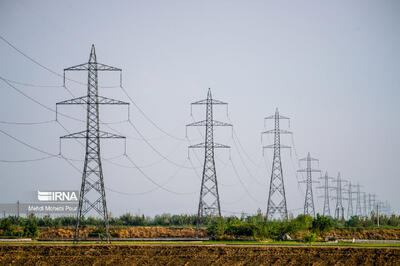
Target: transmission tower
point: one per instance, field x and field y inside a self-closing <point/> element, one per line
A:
<point x="209" y="204"/>
<point x="326" y="187"/>
<point x="92" y="194"/>
<point x="350" y="201"/>
<point x="309" y="199"/>
<point x="339" y="209"/>
<point x="365" y="204"/>
<point x="372" y="200"/>
<point x="276" y="198"/>
<point x="358" y="200"/>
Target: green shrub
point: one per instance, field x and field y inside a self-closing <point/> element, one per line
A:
<point x="322" y="224"/>
<point x="309" y="237"/>
<point x="31" y="229"/>
<point x="217" y="227"/>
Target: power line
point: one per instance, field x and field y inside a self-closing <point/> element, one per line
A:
<point x="32" y="85"/>
<point x="27" y="145"/>
<point x="29" y="160"/>
<point x="154" y="182"/>
<point x="149" y="119"/>
<point x="52" y="155"/>
<point x="243" y="185"/>
<point x="27" y="123"/>
<point x="38" y="102"/>
<point x="154" y="149"/>
<point x="46" y="107"/>
<point x="42" y="66"/>
<point x="244" y="164"/>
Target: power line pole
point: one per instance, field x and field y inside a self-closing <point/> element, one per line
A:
<point x="209" y="204"/>
<point x="276" y="197"/>
<point x="339" y="209"/>
<point x="377" y="214"/>
<point x="350" y="201"/>
<point x="326" y="211"/>
<point x="372" y="202"/>
<point x="309" y="199"/>
<point x="365" y="204"/>
<point x="358" y="201"/>
<point x="92" y="195"/>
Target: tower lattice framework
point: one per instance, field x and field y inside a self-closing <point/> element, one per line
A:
<point x="92" y="193"/>
<point x="209" y="203"/>
<point x="339" y="209"/>
<point x="309" y="207"/>
<point x="276" y="198"/>
<point x="350" y="201"/>
<point x="358" y="201"/>
<point x="326" y="209"/>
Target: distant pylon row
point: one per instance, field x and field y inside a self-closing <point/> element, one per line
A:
<point x="277" y="203"/>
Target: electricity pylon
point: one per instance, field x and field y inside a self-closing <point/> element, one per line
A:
<point x="92" y="194"/>
<point x="372" y="200"/>
<point x="358" y="200"/>
<point x="339" y="209"/>
<point x="350" y="201"/>
<point x="365" y="212"/>
<point x="309" y="199"/>
<point x="209" y="204"/>
<point x="326" y="211"/>
<point x="276" y="197"/>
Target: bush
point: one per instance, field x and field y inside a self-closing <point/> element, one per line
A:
<point x="217" y="227"/>
<point x="309" y="238"/>
<point x="98" y="232"/>
<point x="31" y="229"/>
<point x="354" y="221"/>
<point x="322" y="224"/>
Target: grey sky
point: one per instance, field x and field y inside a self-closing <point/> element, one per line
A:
<point x="332" y="67"/>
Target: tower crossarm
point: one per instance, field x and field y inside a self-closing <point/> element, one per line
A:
<point x="212" y="101"/>
<point x="308" y="158"/>
<point x="280" y="146"/>
<point x="308" y="181"/>
<point x="274" y="117"/>
<point x="97" y="66"/>
<point x="85" y="100"/>
<point x="83" y="135"/>
<point x="308" y="170"/>
<point x="215" y="146"/>
<point x="213" y="123"/>
<point x="273" y="131"/>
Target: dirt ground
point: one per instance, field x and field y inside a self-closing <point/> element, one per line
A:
<point x="376" y="234"/>
<point x="125" y="254"/>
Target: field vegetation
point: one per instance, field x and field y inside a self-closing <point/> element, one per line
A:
<point x="254" y="227"/>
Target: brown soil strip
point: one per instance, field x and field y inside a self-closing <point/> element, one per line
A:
<point x="125" y="254"/>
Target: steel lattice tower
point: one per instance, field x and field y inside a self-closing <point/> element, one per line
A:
<point x="209" y="204"/>
<point x="350" y="202"/>
<point x="365" y="204"/>
<point x="276" y="197"/>
<point x="358" y="201"/>
<point x="326" y="210"/>
<point x="309" y="199"/>
<point x="339" y="209"/>
<point x="372" y="200"/>
<point x="92" y="194"/>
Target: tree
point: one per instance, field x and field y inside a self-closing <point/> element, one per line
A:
<point x="322" y="224"/>
<point x="31" y="229"/>
<point x="218" y="227"/>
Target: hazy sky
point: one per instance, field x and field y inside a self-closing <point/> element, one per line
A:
<point x="331" y="66"/>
